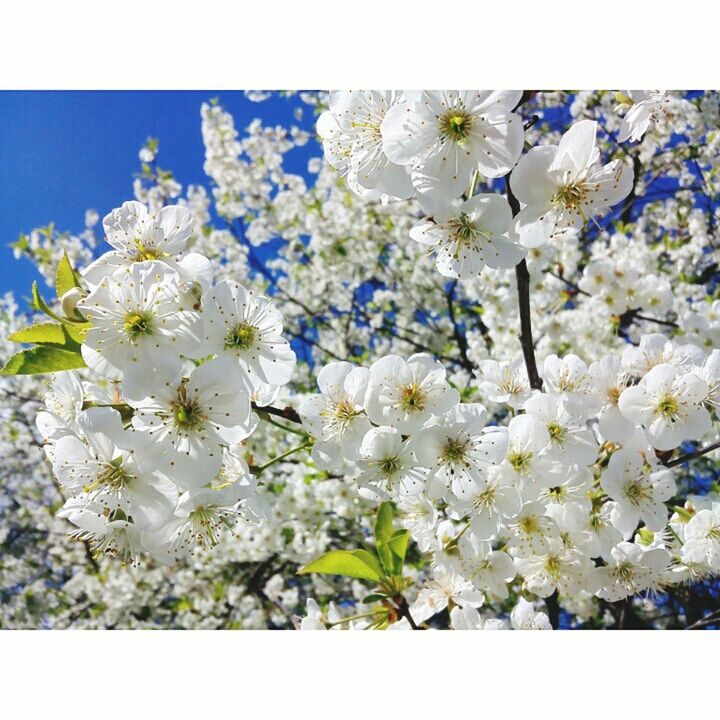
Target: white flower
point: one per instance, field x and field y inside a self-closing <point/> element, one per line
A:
<point x="469" y="236"/>
<point x="139" y="235"/>
<point x="642" y="108"/>
<point x="468" y="618"/>
<point x="668" y="404"/>
<point x="187" y="420"/>
<point x="201" y="516"/>
<point x="446" y="136"/>
<point x="488" y="504"/>
<point x="316" y="619"/>
<point x="630" y="570"/>
<point x="638" y="492"/>
<point x="388" y="465"/>
<point x="336" y="418"/>
<point x="406" y="393"/>
<point x="139" y="322"/>
<point x="525" y="464"/>
<point x="487" y="569"/>
<point x="107" y="470"/>
<point x="609" y="380"/>
<point x="459" y="451"/>
<point x="242" y="325"/>
<point x="656" y="349"/>
<point x="532" y="530"/>
<point x="557" y="568"/>
<point x="563" y="186"/>
<point x="570" y="439"/>
<point x="353" y="144"/>
<point x="524" y="616"/>
<point x="504" y="382"/>
<point x="710" y="373"/>
<point x="103" y="531"/>
<point x="446" y="586"/>
<point x="702" y="538"/>
<point x="569" y="379"/>
<point x="64" y="402"/>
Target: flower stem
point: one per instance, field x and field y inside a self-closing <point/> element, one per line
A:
<point x="257" y="470"/>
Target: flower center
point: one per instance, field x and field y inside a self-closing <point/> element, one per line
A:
<point x="553" y="565"/>
<point x="485" y="499"/>
<point x="529" y="525"/>
<point x="557" y="433"/>
<point x="412" y="398"/>
<point x="390" y="465"/>
<point x="113" y="476"/>
<point x="146" y="253"/>
<point x="668" y="407"/>
<point x="571" y="196"/>
<point x="138" y="324"/>
<point x="625" y="572"/>
<point x="520" y="461"/>
<point x="187" y="413"/>
<point x="454" y="450"/>
<point x="636" y="491"/>
<point x="456" y="125"/>
<point x="241" y="337"/>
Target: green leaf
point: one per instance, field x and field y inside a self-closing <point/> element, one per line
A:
<point x="384" y="523"/>
<point x="398" y="543"/>
<point x="374" y="597"/>
<point x="383" y="533"/>
<point x="49" y="334"/>
<point x="42" y="359"/>
<point x="350" y="563"/>
<point x="40" y="305"/>
<point x="65" y="278"/>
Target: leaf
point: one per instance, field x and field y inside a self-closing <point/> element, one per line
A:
<point x="398" y="543"/>
<point x="350" y="563"/>
<point x="42" y="359"/>
<point x="40" y="305"/>
<point x="77" y="331"/>
<point x="65" y="278"/>
<point x="383" y="533"/>
<point x="384" y="523"/>
<point x="374" y="597"/>
<point x="49" y="334"/>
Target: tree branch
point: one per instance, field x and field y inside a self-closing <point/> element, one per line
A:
<point x="693" y="455"/>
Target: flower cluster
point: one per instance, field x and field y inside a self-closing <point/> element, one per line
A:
<point x="476" y="281"/>
<point x="149" y="451"/>
<point x="568" y="496"/>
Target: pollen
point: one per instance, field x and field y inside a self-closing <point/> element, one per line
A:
<point x="241" y="337"/>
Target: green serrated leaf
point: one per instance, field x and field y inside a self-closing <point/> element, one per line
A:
<point x="350" y="563"/>
<point x="49" y="334"/>
<point x="65" y="278"/>
<point x="42" y="359"/>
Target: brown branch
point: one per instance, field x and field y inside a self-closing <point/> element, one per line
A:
<point x="459" y="336"/>
<point x="522" y="276"/>
<point x="693" y="455"/>
<point x="404" y="611"/>
<point x="710" y="619"/>
<point x="287" y="413"/>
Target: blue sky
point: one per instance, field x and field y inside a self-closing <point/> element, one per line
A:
<point x="64" y="152"/>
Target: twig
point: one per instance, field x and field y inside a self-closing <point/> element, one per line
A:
<point x="287" y="413"/>
<point x="693" y="455"/>
<point x="710" y="619"/>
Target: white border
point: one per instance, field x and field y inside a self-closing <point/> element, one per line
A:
<point x="148" y="674"/>
<point x="220" y="44"/>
